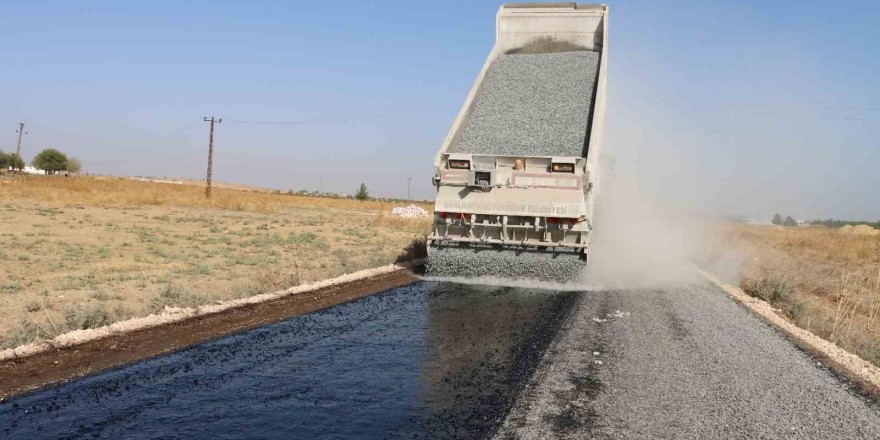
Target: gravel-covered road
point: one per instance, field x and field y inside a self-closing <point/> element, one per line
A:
<point x="682" y="363"/>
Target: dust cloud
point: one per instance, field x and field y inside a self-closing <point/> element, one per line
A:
<point x="651" y="228"/>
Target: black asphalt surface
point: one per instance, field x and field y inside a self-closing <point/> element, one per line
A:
<point x="428" y="360"/>
<point x="683" y="363"/>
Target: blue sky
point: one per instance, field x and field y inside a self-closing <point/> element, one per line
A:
<point x="741" y="107"/>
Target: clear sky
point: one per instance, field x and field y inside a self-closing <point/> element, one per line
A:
<point x="744" y="107"/>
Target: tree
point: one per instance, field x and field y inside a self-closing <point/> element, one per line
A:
<point x="5" y="160"/>
<point x="17" y="163"/>
<point x="789" y="221"/>
<point x="362" y="193"/>
<point x="74" y="165"/>
<point x="777" y="219"/>
<point x="50" y="160"/>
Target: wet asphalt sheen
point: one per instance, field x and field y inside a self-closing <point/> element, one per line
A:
<point x="427" y="360"/>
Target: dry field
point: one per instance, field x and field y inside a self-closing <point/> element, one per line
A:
<point x="83" y="252"/>
<point x="822" y="280"/>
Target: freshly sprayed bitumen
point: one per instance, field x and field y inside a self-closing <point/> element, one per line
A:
<point x="533" y="105"/>
<point x="428" y="360"/>
<point x="473" y="262"/>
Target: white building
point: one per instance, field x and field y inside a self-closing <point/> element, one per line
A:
<point x="30" y="169"/>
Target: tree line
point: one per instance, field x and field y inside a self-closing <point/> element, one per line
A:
<point x="779" y="221"/>
<point x="831" y="223"/>
<point x="50" y="159"/>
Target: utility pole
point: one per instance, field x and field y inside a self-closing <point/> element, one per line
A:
<point x="408" y="186"/>
<point x="210" y="155"/>
<point x="20" y="133"/>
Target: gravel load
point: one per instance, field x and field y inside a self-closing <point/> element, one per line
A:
<point x="533" y="105"/>
<point x="474" y="262"/>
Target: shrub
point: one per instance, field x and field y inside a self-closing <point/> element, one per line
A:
<point x="175" y="296"/>
<point x="789" y="222"/>
<point x="74" y="165"/>
<point x="362" y="193"/>
<point x="33" y="306"/>
<point x="87" y="316"/>
<point x="770" y="289"/>
<point x="24" y="332"/>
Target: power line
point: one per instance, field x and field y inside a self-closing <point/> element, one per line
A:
<point x="315" y="121"/>
<point x="210" y="155"/>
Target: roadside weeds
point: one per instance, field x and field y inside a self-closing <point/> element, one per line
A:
<point x="850" y="365"/>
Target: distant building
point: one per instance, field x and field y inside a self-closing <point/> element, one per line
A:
<point x="30" y="169"/>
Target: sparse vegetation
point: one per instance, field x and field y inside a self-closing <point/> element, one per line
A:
<point x="82" y="251"/>
<point x="822" y="280"/>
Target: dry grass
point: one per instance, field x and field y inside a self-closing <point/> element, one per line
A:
<point x="81" y="252"/>
<point x="116" y="191"/>
<point x="824" y="281"/>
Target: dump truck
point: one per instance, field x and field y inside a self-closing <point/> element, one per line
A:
<point x="517" y="174"/>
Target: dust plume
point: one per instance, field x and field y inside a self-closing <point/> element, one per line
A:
<point x="651" y="229"/>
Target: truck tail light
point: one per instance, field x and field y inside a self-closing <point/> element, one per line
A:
<point x="460" y="164"/>
<point x="562" y="168"/>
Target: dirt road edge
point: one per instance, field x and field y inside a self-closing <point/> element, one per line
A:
<point x="88" y="351"/>
<point x="849" y="365"/>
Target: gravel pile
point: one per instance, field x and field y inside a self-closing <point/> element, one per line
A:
<point x="533" y="105"/>
<point x="411" y="211"/>
<point x="472" y="262"/>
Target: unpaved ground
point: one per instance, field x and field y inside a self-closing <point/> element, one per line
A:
<point x="65" y="266"/>
<point x="687" y="362"/>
